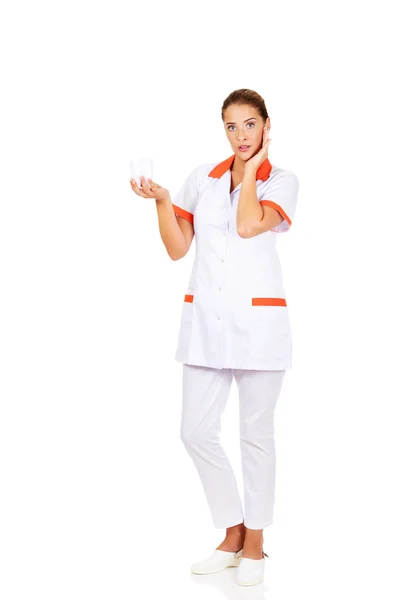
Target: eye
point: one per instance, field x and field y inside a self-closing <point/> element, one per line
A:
<point x="251" y="123"/>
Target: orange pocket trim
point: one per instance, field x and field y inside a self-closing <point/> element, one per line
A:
<point x="183" y="213"/>
<point x="268" y="302"/>
<point x="188" y="298"/>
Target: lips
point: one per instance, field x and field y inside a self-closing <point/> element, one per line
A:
<point x="244" y="148"/>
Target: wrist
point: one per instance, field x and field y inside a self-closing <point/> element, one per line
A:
<point x="250" y="169"/>
<point x="165" y="200"/>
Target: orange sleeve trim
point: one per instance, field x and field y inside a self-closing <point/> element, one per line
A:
<point x="188" y="297"/>
<point x="276" y="207"/>
<point x="268" y="302"/>
<point x="183" y="213"/>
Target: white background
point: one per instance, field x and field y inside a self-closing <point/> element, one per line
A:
<point x="98" y="495"/>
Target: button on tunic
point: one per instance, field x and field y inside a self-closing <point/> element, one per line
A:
<point x="234" y="311"/>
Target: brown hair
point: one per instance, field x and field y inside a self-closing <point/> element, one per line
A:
<point x="245" y="96"/>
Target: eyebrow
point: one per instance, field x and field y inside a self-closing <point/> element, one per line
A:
<point x="233" y="122"/>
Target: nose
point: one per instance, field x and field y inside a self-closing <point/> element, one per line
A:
<point x="241" y="135"/>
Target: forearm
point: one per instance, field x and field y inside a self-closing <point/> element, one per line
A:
<point x="170" y="231"/>
<point x="249" y="211"/>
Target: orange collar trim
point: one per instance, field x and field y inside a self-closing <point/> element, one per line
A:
<point x="263" y="171"/>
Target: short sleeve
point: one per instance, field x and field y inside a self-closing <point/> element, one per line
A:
<point x="184" y="202"/>
<point x="281" y="194"/>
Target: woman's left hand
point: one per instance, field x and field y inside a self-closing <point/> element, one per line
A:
<point x="255" y="161"/>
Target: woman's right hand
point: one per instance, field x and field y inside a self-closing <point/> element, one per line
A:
<point x="155" y="191"/>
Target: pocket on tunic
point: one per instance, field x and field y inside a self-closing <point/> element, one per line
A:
<point x="270" y="330"/>
<point x="187" y="309"/>
<point x="189" y="298"/>
<point x="185" y="328"/>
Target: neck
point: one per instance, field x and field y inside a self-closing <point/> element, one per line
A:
<point x="238" y="165"/>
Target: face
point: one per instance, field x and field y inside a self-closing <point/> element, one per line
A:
<point x="244" y="127"/>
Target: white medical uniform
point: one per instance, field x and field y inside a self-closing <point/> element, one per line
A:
<point x="234" y="324"/>
<point x="234" y="313"/>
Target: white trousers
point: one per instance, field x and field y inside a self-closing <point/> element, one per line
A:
<point x="205" y="393"/>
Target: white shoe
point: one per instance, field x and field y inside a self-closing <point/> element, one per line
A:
<point x="251" y="571"/>
<point x="217" y="561"/>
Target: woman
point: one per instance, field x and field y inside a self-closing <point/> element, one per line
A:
<point x="234" y="322"/>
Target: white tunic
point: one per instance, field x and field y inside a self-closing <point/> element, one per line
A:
<point x="234" y="312"/>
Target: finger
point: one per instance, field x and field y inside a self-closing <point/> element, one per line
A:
<point x="137" y="189"/>
<point x="134" y="184"/>
<point x="153" y="184"/>
<point x="145" y="187"/>
<point x="148" y="191"/>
